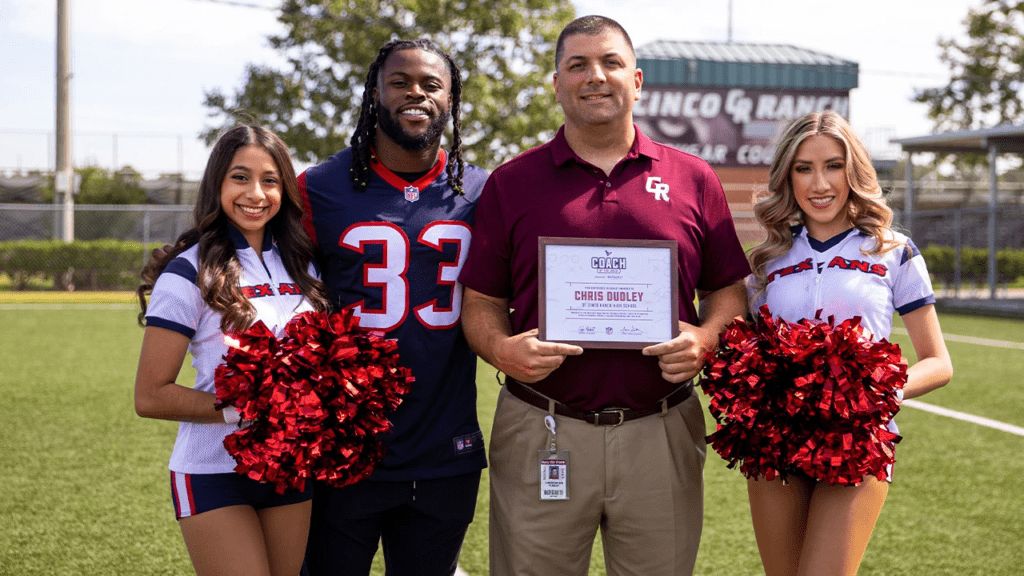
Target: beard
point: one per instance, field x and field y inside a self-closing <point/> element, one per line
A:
<point x="392" y="128"/>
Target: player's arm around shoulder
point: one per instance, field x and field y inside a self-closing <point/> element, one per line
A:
<point x="682" y="357"/>
<point x="488" y="330"/>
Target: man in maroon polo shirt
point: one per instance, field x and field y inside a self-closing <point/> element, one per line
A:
<point x="636" y="471"/>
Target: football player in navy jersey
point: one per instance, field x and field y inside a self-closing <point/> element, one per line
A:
<point x="391" y="220"/>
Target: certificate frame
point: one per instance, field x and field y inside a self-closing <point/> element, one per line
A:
<point x="591" y="291"/>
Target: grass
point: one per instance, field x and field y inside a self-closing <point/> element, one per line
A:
<point x="85" y="479"/>
<point x="987" y="380"/>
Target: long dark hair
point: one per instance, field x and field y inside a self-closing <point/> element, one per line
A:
<point x="219" y="268"/>
<point x="365" y="132"/>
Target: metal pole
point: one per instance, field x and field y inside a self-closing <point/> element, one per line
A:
<point x="51" y="165"/>
<point x="908" y="196"/>
<point x="57" y="222"/>
<point x="993" y="185"/>
<point x="65" y="170"/>
<point x="957" y="247"/>
<point x="181" y="169"/>
<point x="730" y="20"/>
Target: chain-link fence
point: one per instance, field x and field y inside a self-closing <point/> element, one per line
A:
<point x="142" y="223"/>
<point x="966" y="227"/>
<point x="958" y="239"/>
<point x="955" y="242"/>
<point x="112" y="243"/>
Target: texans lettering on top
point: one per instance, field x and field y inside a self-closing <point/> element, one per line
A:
<point x="837" y="262"/>
<point x="262" y="290"/>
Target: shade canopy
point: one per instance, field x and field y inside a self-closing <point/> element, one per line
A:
<point x="1005" y="138"/>
<point x="990" y="141"/>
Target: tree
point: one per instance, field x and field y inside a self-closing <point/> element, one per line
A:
<point x="505" y="50"/>
<point x="986" y="71"/>
<point x="99" y="186"/>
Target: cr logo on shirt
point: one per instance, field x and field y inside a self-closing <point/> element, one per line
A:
<point x="659" y="190"/>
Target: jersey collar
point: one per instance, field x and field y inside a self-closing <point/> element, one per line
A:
<point x="800" y="230"/>
<point x="241" y="243"/>
<point x="401" y="183"/>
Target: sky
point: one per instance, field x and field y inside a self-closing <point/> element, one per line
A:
<point x="140" y="68"/>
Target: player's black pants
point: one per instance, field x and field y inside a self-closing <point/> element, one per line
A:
<point x="421" y="525"/>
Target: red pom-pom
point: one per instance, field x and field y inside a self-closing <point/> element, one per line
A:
<point x="810" y="396"/>
<point x="317" y="399"/>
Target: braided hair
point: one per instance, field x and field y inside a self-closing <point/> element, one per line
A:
<point x="365" y="132"/>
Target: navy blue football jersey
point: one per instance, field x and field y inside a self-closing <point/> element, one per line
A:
<point x="392" y="253"/>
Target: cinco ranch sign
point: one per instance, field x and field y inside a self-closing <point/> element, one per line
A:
<point x="728" y="127"/>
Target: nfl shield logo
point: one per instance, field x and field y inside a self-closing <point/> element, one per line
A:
<point x="460" y="444"/>
<point x="608" y="330"/>
<point x="412" y="193"/>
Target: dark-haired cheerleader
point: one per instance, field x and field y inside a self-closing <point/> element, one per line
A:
<point x="246" y="259"/>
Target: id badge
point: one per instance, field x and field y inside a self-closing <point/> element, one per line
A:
<point x="554" y="475"/>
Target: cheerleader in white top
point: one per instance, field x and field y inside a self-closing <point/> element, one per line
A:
<point x="246" y="259"/>
<point x="830" y="248"/>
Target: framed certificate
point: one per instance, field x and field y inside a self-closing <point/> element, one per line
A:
<point x="599" y="293"/>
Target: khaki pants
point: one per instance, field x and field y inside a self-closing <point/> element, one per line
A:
<point x="642" y="483"/>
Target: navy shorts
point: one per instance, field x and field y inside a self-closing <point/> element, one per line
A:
<point x="197" y="493"/>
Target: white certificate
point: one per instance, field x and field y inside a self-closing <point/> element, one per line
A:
<point x="600" y="293"/>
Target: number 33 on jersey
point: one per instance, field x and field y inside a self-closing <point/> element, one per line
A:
<point x="390" y="274"/>
<point x="393" y="261"/>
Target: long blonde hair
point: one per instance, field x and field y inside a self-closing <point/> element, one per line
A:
<point x="776" y="208"/>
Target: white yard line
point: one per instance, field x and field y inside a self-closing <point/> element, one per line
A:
<point x="972" y="340"/>
<point x="965" y="417"/>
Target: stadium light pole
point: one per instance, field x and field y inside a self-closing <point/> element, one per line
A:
<point x="65" y="171"/>
<point x="730" y="22"/>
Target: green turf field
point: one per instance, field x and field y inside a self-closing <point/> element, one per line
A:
<point x="85" y="485"/>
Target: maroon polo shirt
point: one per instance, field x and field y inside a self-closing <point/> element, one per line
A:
<point x="655" y="192"/>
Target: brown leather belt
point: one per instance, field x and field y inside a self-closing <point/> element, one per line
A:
<point x="606" y="417"/>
